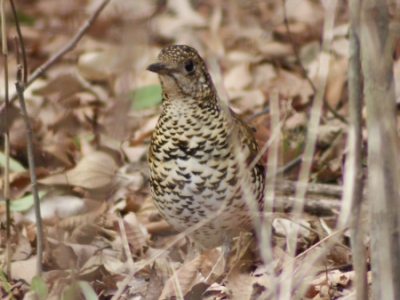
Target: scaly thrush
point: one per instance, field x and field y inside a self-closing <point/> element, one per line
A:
<point x="199" y="152"/>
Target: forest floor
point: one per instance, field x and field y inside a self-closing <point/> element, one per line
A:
<point x="93" y="112"/>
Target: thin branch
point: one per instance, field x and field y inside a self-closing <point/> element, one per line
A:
<point x="125" y="243"/>
<point x="32" y="168"/>
<point x="290" y="165"/>
<point x="383" y="160"/>
<point x="67" y="48"/>
<point x="21" y="41"/>
<point x="20" y="87"/>
<point x="269" y="189"/>
<point x="6" y="139"/>
<point x="352" y="200"/>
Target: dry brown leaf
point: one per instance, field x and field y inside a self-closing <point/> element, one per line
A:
<point x="103" y="259"/>
<point x="185" y="278"/>
<point x="285" y="227"/>
<point x="262" y="75"/>
<point x="339" y="255"/>
<point x="136" y="233"/>
<point x="61" y="87"/>
<point x="114" y="265"/>
<point x="23" y="249"/>
<point x="66" y="123"/>
<point x="304" y="11"/>
<point x="155" y="286"/>
<point x="101" y="65"/>
<point x="125" y="9"/>
<point x="238" y="77"/>
<point x="240" y="283"/>
<point x="328" y="132"/>
<point x="291" y="86"/>
<point x="295" y="121"/>
<point x="158" y="227"/>
<point x="216" y="292"/>
<point x="326" y="284"/>
<point x="63" y="257"/>
<point x="248" y="100"/>
<point x="85" y="234"/>
<point x="61" y="147"/>
<point x="182" y="23"/>
<point x="74" y="221"/>
<point x="24" y="269"/>
<point x="92" y="264"/>
<point x="337" y="76"/>
<point x="134" y="153"/>
<point x="95" y="170"/>
<point x="145" y="131"/>
<point x="83" y="252"/>
<point x="275" y="49"/>
<point x="52" y="205"/>
<point x="115" y="119"/>
<point x="20" y="182"/>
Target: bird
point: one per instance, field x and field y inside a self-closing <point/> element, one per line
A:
<point x="203" y="158"/>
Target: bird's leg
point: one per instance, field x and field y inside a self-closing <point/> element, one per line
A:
<point x="225" y="251"/>
<point x="192" y="250"/>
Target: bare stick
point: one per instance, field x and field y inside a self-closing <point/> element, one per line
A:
<point x="269" y="190"/>
<point x="68" y="47"/>
<point x="6" y="139"/>
<point x="21" y="40"/>
<point x="125" y="243"/>
<point x="39" y="228"/>
<point x="383" y="161"/>
<point x="352" y="200"/>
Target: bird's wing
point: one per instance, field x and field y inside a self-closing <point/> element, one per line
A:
<point x="246" y="134"/>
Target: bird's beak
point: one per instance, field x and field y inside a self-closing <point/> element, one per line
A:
<point x="158" y="68"/>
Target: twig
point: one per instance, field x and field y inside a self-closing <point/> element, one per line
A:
<point x="6" y="140"/>
<point x="257" y="114"/>
<point x="68" y="47"/>
<point x="39" y="228"/>
<point x="290" y="165"/>
<point x="352" y="200"/>
<point x="304" y="71"/>
<point x="125" y="242"/>
<point x="383" y="162"/>
<point x="21" y="40"/>
<point x="270" y="181"/>
<point x="321" y="242"/>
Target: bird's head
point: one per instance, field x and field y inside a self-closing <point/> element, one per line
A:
<point x="183" y="74"/>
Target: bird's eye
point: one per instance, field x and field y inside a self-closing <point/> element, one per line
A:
<point x="189" y="66"/>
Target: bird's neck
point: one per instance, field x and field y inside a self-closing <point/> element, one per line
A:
<point x="189" y="107"/>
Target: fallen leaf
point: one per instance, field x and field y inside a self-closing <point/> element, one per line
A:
<point x="95" y="170"/>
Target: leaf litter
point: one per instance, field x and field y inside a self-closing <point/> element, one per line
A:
<point x="94" y="113"/>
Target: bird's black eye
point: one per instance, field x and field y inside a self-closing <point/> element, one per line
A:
<point x="189" y="66"/>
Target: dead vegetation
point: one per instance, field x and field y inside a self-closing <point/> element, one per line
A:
<point x="92" y="113"/>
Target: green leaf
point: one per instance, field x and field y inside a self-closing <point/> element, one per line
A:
<point x="25" y="203"/>
<point x="39" y="287"/>
<point x="71" y="293"/>
<point x="87" y="291"/>
<point x="25" y="19"/>
<point x="145" y="97"/>
<point x="15" y="166"/>
<point x="4" y="282"/>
